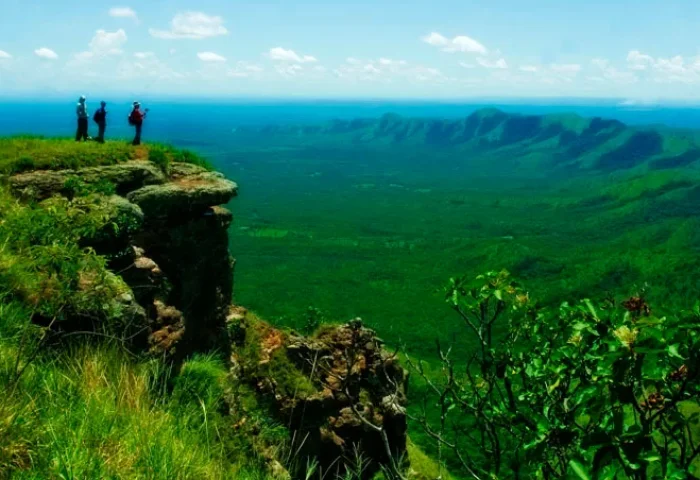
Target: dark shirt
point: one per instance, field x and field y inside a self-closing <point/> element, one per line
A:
<point x="101" y="115"/>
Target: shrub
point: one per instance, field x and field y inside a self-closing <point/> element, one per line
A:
<point x="589" y="390"/>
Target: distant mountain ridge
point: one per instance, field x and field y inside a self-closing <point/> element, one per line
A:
<point x="566" y="140"/>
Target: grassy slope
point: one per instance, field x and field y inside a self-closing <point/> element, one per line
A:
<point x="89" y="409"/>
<point x="24" y="153"/>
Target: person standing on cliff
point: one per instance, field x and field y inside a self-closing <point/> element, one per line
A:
<point x="136" y="118"/>
<point x="100" y="118"/>
<point x="82" y="113"/>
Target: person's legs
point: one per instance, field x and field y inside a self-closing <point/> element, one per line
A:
<point x="101" y="133"/>
<point x="82" y="129"/>
<point x="78" y="131"/>
<point x="137" y="138"/>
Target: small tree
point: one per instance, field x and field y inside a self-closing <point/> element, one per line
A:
<point x="588" y="391"/>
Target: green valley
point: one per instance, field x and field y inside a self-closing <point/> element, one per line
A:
<point x="370" y="217"/>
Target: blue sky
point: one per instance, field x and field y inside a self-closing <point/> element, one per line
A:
<point x="641" y="51"/>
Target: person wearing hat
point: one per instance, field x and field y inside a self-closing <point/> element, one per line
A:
<point x="100" y="118"/>
<point x="136" y="118"/>
<point x="82" y="112"/>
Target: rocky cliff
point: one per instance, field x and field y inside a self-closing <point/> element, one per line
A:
<point x="339" y="393"/>
<point x="170" y="245"/>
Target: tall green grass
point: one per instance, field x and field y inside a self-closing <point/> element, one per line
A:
<point x="25" y="153"/>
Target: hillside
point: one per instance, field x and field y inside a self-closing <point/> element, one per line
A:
<point x="552" y="142"/>
<point x="123" y="356"/>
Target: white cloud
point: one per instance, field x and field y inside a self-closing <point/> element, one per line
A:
<point x="123" y="12"/>
<point x="194" y="25"/>
<point x="210" y="57"/>
<point x="108" y="43"/>
<point x="467" y="65"/>
<point x="673" y="65"/>
<point x="46" y="53"/>
<point x="287" y="70"/>
<point x="608" y="72"/>
<point x="390" y="62"/>
<point x="282" y="55"/>
<point x="369" y="68"/>
<point x="486" y="63"/>
<point x="638" y="61"/>
<point x="172" y="51"/>
<point x="436" y="40"/>
<point x="460" y="43"/>
<point x="528" y="68"/>
<point x="4" y="54"/>
<point x="384" y="70"/>
<point x="664" y="70"/>
<point x="143" y="55"/>
<point x="463" y="43"/>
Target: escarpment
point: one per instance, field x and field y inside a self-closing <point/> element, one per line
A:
<point x="168" y="243"/>
<point x="162" y="232"/>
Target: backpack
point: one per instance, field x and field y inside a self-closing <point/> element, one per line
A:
<point x="99" y="116"/>
<point x="131" y="119"/>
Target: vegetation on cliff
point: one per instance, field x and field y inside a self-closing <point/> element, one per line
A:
<point x="75" y="402"/>
<point x="115" y="290"/>
<point x="121" y="355"/>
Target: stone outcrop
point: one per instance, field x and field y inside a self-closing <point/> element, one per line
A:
<point x="348" y="396"/>
<point x="184" y="195"/>
<point x="126" y="177"/>
<point x="170" y="246"/>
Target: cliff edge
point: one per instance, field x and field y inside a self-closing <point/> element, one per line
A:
<point x="132" y="244"/>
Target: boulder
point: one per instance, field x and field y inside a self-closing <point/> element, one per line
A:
<point x="184" y="196"/>
<point x="180" y="169"/>
<point x="127" y="176"/>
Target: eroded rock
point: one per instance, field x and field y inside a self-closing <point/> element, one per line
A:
<point x="167" y="330"/>
<point x="185" y="195"/>
<point x="127" y="176"/>
<point x="340" y="391"/>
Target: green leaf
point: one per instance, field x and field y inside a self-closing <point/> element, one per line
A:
<point x="673" y="351"/>
<point x="579" y="470"/>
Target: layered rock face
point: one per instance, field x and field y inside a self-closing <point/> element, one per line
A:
<point x="340" y="391"/>
<point x="175" y="254"/>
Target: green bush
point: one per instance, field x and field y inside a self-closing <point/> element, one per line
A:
<point x="200" y="383"/>
<point x="586" y="391"/>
